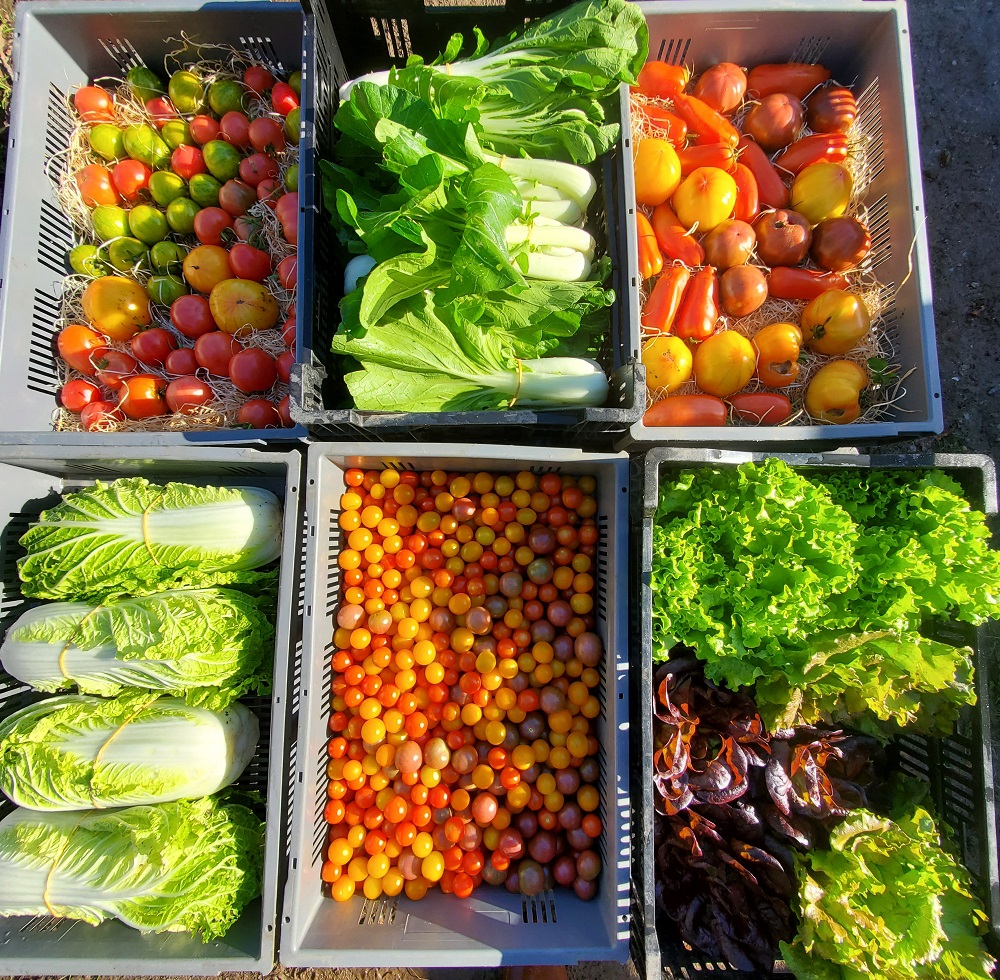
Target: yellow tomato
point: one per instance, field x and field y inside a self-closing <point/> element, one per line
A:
<point x="118" y="307"/>
<point x="668" y="363"/>
<point x="705" y="197"/>
<point x="835" y="322"/>
<point x="834" y="392"/>
<point x="657" y="171"/>
<point x="822" y="190"/>
<point x="724" y="363"/>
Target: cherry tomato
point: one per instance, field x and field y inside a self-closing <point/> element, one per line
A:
<point x="130" y="177"/>
<point x="153" y="346"/>
<point x="248" y="262"/>
<point x="76" y="344"/>
<point x="192" y="315"/>
<point x="259" y="413"/>
<point x="267" y="135"/>
<point x="253" y="370"/>
<point x="94" y="104"/>
<point x="77" y="393"/>
<point x="287" y="274"/>
<point x="204" y="129"/>
<point x="95" y="185"/>
<point x="284" y="365"/>
<point x="97" y="414"/>
<point x="210" y="223"/>
<point x="258" y="79"/>
<point x="181" y="362"/>
<point x="141" y="396"/>
<point x="113" y="366"/>
<point x="288" y="330"/>
<point x="215" y="350"/>
<point x="186" y="393"/>
<point x="235" y="129"/>
<point x="283" y="98"/>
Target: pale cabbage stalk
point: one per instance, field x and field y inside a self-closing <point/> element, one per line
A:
<point x="76" y="752"/>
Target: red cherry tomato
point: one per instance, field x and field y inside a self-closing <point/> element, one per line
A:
<point x="257" y="166"/>
<point x="77" y="343"/>
<point x="113" y="366"/>
<point x="283" y="98"/>
<point x="96" y="415"/>
<point x="161" y="111"/>
<point x="285" y="412"/>
<point x="214" y="351"/>
<point x="130" y="177"/>
<point x="258" y="79"/>
<point x="259" y="413"/>
<point x="192" y="315"/>
<point x="253" y="370"/>
<point x="94" y="104"/>
<point x="248" y="262"/>
<point x="184" y="394"/>
<point x="181" y="362"/>
<point x="284" y="364"/>
<point x="141" y="396"/>
<point x="288" y="329"/>
<point x="210" y="223"/>
<point x="204" y="129"/>
<point x="76" y="394"/>
<point x="287" y="272"/>
<point x="153" y="346"/>
<point x="267" y="135"/>
<point x="186" y="161"/>
<point x="235" y="129"/>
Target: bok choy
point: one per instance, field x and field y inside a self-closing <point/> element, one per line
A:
<point x="135" y="537"/>
<point x="208" y="645"/>
<point x="189" y="866"/>
<point x="76" y="752"/>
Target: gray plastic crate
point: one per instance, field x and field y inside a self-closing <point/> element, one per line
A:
<point x="492" y="927"/>
<point x="58" y="45"/>
<point x="370" y="35"/>
<point x="31" y="479"/>
<point x="959" y="769"/>
<point x="865" y="45"/>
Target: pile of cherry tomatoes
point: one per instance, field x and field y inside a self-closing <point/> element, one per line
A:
<point x="467" y="679"/>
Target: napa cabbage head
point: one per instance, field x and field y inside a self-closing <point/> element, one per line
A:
<point x="187" y="866"/>
<point x="76" y="752"/>
<point x="133" y="537"/>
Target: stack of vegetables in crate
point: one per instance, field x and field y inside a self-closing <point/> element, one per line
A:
<point x="793" y="616"/>
<point x="759" y="299"/>
<point x="182" y="312"/>
<point x="458" y="187"/>
<point x="161" y="620"/>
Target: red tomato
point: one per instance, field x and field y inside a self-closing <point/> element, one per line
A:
<point x="284" y="364"/>
<point x="215" y="350"/>
<point x="184" y="394"/>
<point x="287" y="272"/>
<point x="130" y="177"/>
<point x="257" y="166"/>
<point x="722" y="86"/>
<point x="94" y="104"/>
<point x="113" y="366"/>
<point x="269" y="191"/>
<point x="687" y="410"/>
<point x="253" y="370"/>
<point x="180" y="362"/>
<point x="761" y="407"/>
<point x="204" y="129"/>
<point x="288" y="329"/>
<point x="259" y="413"/>
<point x="76" y="394"/>
<point x="141" y="396"/>
<point x="186" y="161"/>
<point x="258" y="79"/>
<point x="76" y="344"/>
<point x="235" y="129"/>
<point x="161" y="111"/>
<point x="244" y="227"/>
<point x="96" y="415"/>
<point x="792" y="78"/>
<point x="210" y="223"/>
<point x="267" y="135"/>
<point x="153" y="346"/>
<point x="283" y="98"/>
<point x="285" y="412"/>
<point x="192" y="316"/>
<point x="236" y="198"/>
<point x="94" y="183"/>
<point x="248" y="262"/>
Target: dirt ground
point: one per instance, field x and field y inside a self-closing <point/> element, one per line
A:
<point x="956" y="54"/>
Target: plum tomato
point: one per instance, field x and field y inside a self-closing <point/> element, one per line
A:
<point x="186" y="161"/>
<point x="204" y="129"/>
<point x="78" y="393"/>
<point x="192" y="316"/>
<point x="252" y="370"/>
<point x="235" y="129"/>
<point x="95" y="186"/>
<point x="287" y="274"/>
<point x="248" y="262"/>
<point x="94" y="104"/>
<point x="210" y="223"/>
<point x="215" y="350"/>
<point x="97" y="414"/>
<point x="185" y="393"/>
<point x="77" y="343"/>
<point x="283" y="98"/>
<point x="113" y="366"/>
<point x="259" y="413"/>
<point x="258" y="79"/>
<point x="181" y="362"/>
<point x="267" y="135"/>
<point x="284" y="364"/>
<point x="257" y="166"/>
<point x="153" y="346"/>
<point x="160" y="111"/>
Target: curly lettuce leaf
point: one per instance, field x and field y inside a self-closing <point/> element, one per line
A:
<point x="887" y="901"/>
<point x="189" y="866"/>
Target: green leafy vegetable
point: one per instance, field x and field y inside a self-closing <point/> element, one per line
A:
<point x="134" y="537"/>
<point x="75" y="752"/>
<point x="887" y="901"/>
<point x="209" y="645"/>
<point x="189" y="866"/>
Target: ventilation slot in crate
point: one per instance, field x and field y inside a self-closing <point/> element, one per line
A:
<point x="123" y="53"/>
<point x="42" y="374"/>
<point x="59" y="126"/>
<point x="890" y="317"/>
<point x="810" y="49"/>
<point x="262" y="51"/>
<point x="48" y="925"/>
<point x="378" y="912"/>
<point x="674" y="51"/>
<point x="868" y="127"/>
<point x="878" y="229"/>
<point x="55" y="238"/>
<point x="396" y="34"/>
<point x="539" y="909"/>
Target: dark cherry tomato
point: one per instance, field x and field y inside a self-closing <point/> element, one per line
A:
<point x="181" y="362"/>
<point x="78" y="393"/>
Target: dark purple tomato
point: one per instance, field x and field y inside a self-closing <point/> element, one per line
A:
<point x="567" y="781"/>
<point x="578" y="840"/>
<point x="589" y="649"/>
<point x="563" y="647"/>
<point x="559" y="613"/>
<point x="527" y="823"/>
<point x="590" y="770"/>
<point x="585" y="890"/>
<point x="495" y="605"/>
<point x="493" y="877"/>
<point x="441" y="620"/>
<point x="479" y="620"/>
<point x="540" y="571"/>
<point x="541" y="539"/>
<point x="570" y="816"/>
<point x="542" y="847"/>
<point x="512" y="884"/>
<point x="588" y="865"/>
<point x="542" y="631"/>
<point x="511" y="843"/>
<point x="511" y="584"/>
<point x="564" y="870"/>
<point x="533" y="726"/>
<point x="551" y="699"/>
<point x="471" y="837"/>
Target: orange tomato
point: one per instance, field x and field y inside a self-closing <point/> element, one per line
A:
<point x="141" y="396"/>
<point x="116" y="306"/>
<point x="724" y="363"/>
<point x="705" y="197"/>
<point x="834" y="392"/>
<point x="835" y="322"/>
<point x="206" y="266"/>
<point x="95" y="186"/>
<point x="777" y="347"/>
